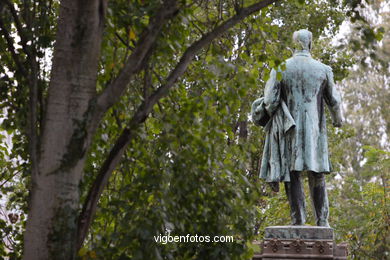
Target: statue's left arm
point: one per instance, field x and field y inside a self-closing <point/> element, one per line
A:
<point x="272" y="93"/>
<point x="333" y="98"/>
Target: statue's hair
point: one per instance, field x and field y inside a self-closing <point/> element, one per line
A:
<point x="304" y="38"/>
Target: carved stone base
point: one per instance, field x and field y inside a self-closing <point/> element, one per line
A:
<point x="300" y="242"/>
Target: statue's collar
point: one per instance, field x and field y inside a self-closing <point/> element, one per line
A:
<point x="302" y="53"/>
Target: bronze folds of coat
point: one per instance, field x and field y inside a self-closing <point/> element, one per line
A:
<point x="296" y="137"/>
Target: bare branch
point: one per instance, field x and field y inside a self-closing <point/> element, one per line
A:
<point x="143" y="111"/>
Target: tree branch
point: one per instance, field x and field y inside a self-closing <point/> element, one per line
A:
<point x="11" y="48"/>
<point x="18" y="26"/>
<point x="30" y="75"/>
<point x="124" y="42"/>
<point x="90" y="204"/>
<point x="127" y="135"/>
<point x="147" y="82"/>
<point x="33" y="115"/>
<point x="135" y="62"/>
<point x="33" y="90"/>
<point x="190" y="53"/>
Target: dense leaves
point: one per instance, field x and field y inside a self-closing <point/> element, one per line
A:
<point x="193" y="166"/>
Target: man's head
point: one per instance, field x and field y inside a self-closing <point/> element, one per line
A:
<point x="303" y="39"/>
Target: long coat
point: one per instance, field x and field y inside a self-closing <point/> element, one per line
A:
<point x="305" y="86"/>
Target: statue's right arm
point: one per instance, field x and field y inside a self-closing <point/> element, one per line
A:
<point x="272" y="93"/>
<point x="333" y="99"/>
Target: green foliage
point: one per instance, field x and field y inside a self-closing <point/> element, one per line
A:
<point x="177" y="179"/>
<point x="37" y="25"/>
<point x="365" y="198"/>
<point x="193" y="165"/>
<point x="360" y="194"/>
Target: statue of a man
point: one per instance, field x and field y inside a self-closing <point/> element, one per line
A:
<point x="292" y="112"/>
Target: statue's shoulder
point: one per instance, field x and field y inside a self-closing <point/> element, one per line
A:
<point x="289" y="60"/>
<point x="327" y="69"/>
<point x="319" y="63"/>
<point x="322" y="66"/>
<point x="298" y="62"/>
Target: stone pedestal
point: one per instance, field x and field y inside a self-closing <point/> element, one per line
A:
<point x="300" y="242"/>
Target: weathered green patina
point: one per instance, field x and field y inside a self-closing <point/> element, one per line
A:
<point x="292" y="112"/>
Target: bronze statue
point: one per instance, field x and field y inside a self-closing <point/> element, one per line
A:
<point x="292" y="112"/>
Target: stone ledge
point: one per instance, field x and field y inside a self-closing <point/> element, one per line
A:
<point x="299" y="232"/>
<point x="304" y="249"/>
<point x="300" y="242"/>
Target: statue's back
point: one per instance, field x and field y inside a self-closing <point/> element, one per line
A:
<point x="304" y="81"/>
<point x="303" y="88"/>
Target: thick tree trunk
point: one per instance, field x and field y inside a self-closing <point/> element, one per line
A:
<point x="51" y="226"/>
<point x="73" y="112"/>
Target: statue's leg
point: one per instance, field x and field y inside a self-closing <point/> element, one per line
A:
<point x="319" y="198"/>
<point x="296" y="199"/>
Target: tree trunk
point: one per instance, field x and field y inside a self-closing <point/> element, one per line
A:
<point x="72" y="115"/>
<point x="51" y="225"/>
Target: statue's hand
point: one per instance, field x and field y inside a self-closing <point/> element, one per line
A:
<point x="258" y="110"/>
<point x="336" y="116"/>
